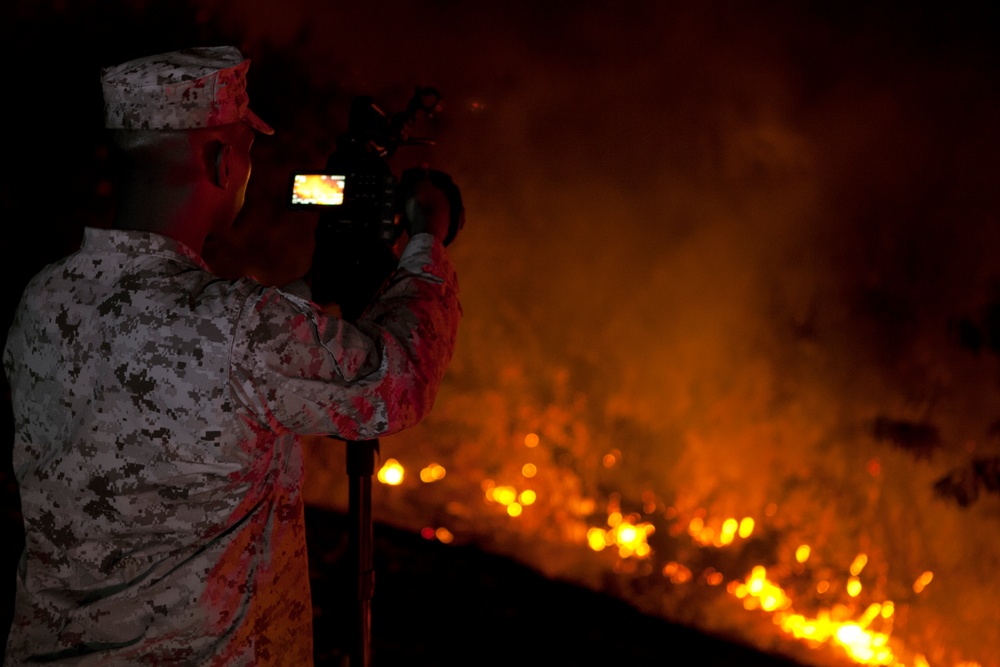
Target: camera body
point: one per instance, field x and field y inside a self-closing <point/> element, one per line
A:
<point x="360" y="202"/>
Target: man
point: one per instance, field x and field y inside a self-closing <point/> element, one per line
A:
<point x="157" y="407"/>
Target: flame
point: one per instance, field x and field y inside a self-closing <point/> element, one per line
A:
<point x="432" y="473"/>
<point x="921" y="583"/>
<point x="391" y="473"/>
<point x="865" y="638"/>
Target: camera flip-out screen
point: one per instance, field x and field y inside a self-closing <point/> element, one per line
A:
<point x="315" y="189"/>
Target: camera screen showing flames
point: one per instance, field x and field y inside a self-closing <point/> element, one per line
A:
<point x="317" y="189"/>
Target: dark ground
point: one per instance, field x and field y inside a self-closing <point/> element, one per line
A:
<point x="440" y="605"/>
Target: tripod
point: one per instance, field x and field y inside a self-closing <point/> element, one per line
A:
<point x="352" y="268"/>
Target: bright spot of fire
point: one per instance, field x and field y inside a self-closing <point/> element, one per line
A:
<point x="729" y="528"/>
<point x="630" y="538"/>
<point x="802" y="553"/>
<point x="706" y="533"/>
<point x="432" y="473"/>
<point x="531" y="440"/>
<point x="921" y="583"/>
<point x="504" y="495"/>
<point x="859" y="564"/>
<point x="757" y="592"/>
<point x="514" y="509"/>
<point x="676" y="573"/>
<point x="713" y="577"/>
<point x="391" y="473"/>
<point x="527" y="497"/>
<point x="529" y="470"/>
<point x="868" y="648"/>
<point x="853" y="587"/>
<point x="863" y="644"/>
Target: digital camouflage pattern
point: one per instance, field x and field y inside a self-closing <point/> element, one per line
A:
<point x="179" y="90"/>
<point x="156" y="411"/>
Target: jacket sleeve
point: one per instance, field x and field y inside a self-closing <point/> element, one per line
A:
<point x="299" y="369"/>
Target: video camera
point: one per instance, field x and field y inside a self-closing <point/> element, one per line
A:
<point x="361" y="202"/>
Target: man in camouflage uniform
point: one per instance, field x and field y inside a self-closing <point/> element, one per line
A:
<point x="157" y="407"/>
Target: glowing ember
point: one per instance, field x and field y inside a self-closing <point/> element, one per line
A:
<point x="391" y="473"/>
<point x="921" y="583"/>
<point x="432" y="473"/>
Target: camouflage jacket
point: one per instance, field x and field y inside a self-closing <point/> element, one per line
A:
<point x="157" y="409"/>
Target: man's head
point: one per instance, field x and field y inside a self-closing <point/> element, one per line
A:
<point x="183" y="124"/>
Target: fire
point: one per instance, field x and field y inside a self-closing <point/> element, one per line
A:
<point x="864" y="646"/>
<point x="391" y="473"/>
<point x="625" y="533"/>
<point x="862" y="633"/>
<point x="921" y="583"/>
<point x="432" y="473"/>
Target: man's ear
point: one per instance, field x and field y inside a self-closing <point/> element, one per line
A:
<point x="222" y="165"/>
<point x="217" y="162"/>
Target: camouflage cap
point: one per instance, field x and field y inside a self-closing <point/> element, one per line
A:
<point x="180" y="90"/>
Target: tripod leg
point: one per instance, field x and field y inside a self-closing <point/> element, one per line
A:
<point x="360" y="469"/>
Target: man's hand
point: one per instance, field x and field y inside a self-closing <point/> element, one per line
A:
<point x="433" y="204"/>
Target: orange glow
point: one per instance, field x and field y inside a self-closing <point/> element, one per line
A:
<point x="853" y="587"/>
<point x="859" y="564"/>
<point x="529" y="470"/>
<point x="921" y="583"/>
<point x="504" y="495"/>
<point x="729" y="528"/>
<point x="874" y="467"/>
<point x="444" y="535"/>
<point x="802" y="553"/>
<point x="595" y="539"/>
<point x="676" y="573"/>
<point x="531" y="440"/>
<point x="432" y="473"/>
<point x="391" y="473"/>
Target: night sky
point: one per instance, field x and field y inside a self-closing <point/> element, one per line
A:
<point x="716" y="224"/>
